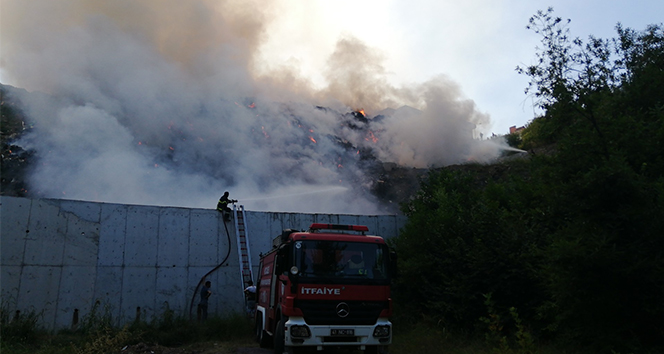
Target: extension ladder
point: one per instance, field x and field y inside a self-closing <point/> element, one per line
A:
<point x="244" y="253"/>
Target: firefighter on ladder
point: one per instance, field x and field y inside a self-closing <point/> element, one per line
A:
<point x="222" y="206"/>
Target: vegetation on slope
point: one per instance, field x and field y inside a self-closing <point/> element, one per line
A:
<point x="572" y="245"/>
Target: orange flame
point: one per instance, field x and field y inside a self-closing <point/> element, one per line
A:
<point x="361" y="111"/>
<point x="312" y="139"/>
<point x="371" y="136"/>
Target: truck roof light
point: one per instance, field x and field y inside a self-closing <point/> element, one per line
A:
<point x="320" y="226"/>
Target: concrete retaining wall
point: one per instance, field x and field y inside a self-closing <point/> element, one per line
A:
<point x="63" y="257"/>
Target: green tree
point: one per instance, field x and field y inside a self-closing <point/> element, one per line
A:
<point x="461" y="242"/>
<point x="603" y="264"/>
<point x="572" y="239"/>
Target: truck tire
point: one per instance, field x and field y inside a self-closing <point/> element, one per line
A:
<point x="279" y="340"/>
<point x="262" y="337"/>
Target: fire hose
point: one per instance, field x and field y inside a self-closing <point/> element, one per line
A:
<point x="193" y="298"/>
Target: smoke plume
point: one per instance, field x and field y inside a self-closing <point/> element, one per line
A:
<point x="167" y="103"/>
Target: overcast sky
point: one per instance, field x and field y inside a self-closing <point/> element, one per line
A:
<point x="477" y="43"/>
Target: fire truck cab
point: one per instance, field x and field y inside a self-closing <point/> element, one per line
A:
<point x="326" y="287"/>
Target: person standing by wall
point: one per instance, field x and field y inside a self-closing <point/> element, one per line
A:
<point x="203" y="303"/>
<point x="250" y="294"/>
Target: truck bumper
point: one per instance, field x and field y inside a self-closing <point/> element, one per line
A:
<point x="323" y="336"/>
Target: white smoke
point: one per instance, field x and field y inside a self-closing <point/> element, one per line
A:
<point x="161" y="103"/>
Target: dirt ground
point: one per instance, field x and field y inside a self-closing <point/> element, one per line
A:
<point x="206" y="348"/>
<point x="198" y="348"/>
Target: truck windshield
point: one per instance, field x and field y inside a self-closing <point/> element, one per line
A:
<point x="333" y="259"/>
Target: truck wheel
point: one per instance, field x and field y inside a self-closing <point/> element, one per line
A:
<point x="279" y="340"/>
<point x="262" y="337"/>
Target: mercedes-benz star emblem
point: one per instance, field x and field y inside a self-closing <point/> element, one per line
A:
<point x="343" y="310"/>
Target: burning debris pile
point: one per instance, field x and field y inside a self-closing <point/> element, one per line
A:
<point x="176" y="108"/>
<point x="14" y="160"/>
<point x="386" y="182"/>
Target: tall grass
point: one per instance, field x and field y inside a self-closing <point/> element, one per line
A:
<point x="18" y="327"/>
<point x="22" y="334"/>
<point x="415" y="332"/>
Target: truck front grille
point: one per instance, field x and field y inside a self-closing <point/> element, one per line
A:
<point x="325" y="312"/>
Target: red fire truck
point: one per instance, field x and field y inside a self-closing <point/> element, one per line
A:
<point x="326" y="287"/>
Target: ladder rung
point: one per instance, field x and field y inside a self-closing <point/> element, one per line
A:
<point x="243" y="244"/>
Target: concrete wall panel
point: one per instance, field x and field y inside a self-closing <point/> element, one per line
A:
<point x="227" y="290"/>
<point x="171" y="289"/>
<point x="203" y="237"/>
<point x="10" y="276"/>
<point x="260" y="240"/>
<point x="372" y="223"/>
<point x="226" y="244"/>
<point x="386" y="227"/>
<point x="76" y="292"/>
<point x="82" y="243"/>
<point x="142" y="236"/>
<point x="112" y="233"/>
<point x="14" y="217"/>
<point x="326" y="219"/>
<point x="138" y="293"/>
<point x="278" y="222"/>
<point x="173" y="247"/>
<point x="45" y="240"/>
<point x="38" y="292"/>
<point x="300" y="221"/>
<point x="87" y="211"/>
<point x="348" y="220"/>
<point x="108" y="290"/>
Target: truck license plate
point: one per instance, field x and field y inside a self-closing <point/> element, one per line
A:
<point x="343" y="332"/>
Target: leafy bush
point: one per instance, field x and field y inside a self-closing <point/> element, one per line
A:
<point x="572" y="239"/>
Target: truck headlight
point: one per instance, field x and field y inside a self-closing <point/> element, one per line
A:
<point x="300" y="332"/>
<point x="381" y="331"/>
